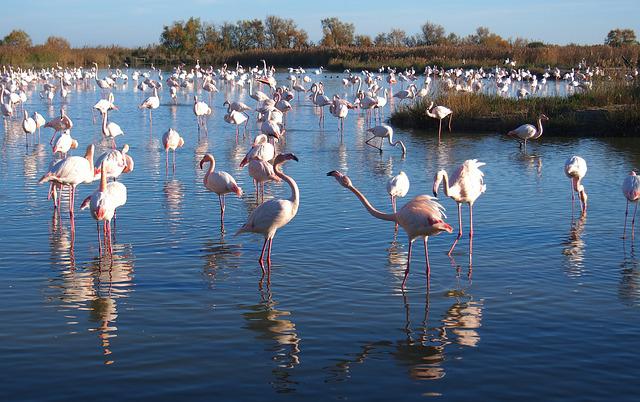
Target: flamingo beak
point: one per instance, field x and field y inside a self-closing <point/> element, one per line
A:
<point x="243" y="162"/>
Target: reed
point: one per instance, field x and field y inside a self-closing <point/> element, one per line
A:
<point x="611" y="108"/>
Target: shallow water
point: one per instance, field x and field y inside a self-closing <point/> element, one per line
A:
<point x="549" y="310"/>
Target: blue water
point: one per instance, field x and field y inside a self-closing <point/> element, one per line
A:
<point x="549" y="310"/>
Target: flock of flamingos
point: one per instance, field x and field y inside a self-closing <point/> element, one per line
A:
<point x="420" y="218"/>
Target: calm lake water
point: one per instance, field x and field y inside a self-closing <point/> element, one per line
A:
<point x="549" y="312"/>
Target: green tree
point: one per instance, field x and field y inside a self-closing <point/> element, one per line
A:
<point x="620" y="37"/>
<point x="432" y="34"/>
<point x="484" y="37"/>
<point x="251" y="34"/>
<point x="397" y="37"/>
<point x="17" y="38"/>
<point x="284" y="33"/>
<point x="336" y="32"/>
<point x="184" y="37"/>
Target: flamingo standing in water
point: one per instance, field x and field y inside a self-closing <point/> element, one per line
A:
<point x="384" y="131"/>
<point x="114" y="162"/>
<point x="40" y="122"/>
<point x="270" y="216"/>
<point x="440" y="112"/>
<point x="201" y="110"/>
<point x="236" y="118"/>
<point x="261" y="149"/>
<point x="103" y="204"/>
<point x="397" y="186"/>
<point x="110" y="129"/>
<point x="71" y="171"/>
<point x="631" y="191"/>
<point x="63" y="143"/>
<point x="467" y="184"/>
<point x="171" y="140"/>
<point x="28" y="126"/>
<point x="576" y="168"/>
<point x="421" y="217"/>
<point x="151" y="103"/>
<point x="528" y="132"/>
<point x="221" y="183"/>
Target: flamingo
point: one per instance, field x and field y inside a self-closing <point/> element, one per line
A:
<point x="152" y="102"/>
<point x="397" y="186"/>
<point x="270" y="216"/>
<point x="114" y="162"/>
<point x="528" y="131"/>
<point x="385" y="131"/>
<point x="576" y="168"/>
<point x="631" y="191"/>
<point x="104" y="105"/>
<point x="103" y="204"/>
<point x="63" y="143"/>
<point x="421" y="217"/>
<point x="261" y="150"/>
<point x="467" y="185"/>
<point x="111" y="129"/>
<point x="237" y="106"/>
<point x="71" y="171"/>
<point x="261" y="171"/>
<point x="28" y="126"/>
<point x="63" y="122"/>
<point x="236" y="118"/>
<point x="40" y="121"/>
<point x="171" y="140"/>
<point x="440" y="112"/>
<point x="271" y="128"/>
<point x="409" y="93"/>
<point x="201" y="110"/>
<point x="219" y="182"/>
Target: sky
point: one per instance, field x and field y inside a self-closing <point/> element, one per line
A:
<point x="134" y="23"/>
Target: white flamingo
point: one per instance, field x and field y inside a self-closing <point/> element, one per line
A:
<point x="397" y="186"/>
<point x="576" y="168"/>
<point x="221" y="183"/>
<point x="440" y="112"/>
<point x="384" y="131"/>
<point x="631" y="191"/>
<point x="528" y="132"/>
<point x="171" y="140"/>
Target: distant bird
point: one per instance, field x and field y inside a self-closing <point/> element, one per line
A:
<point x="28" y="126"/>
<point x="40" y="121"/>
<point x="221" y="183"/>
<point x="397" y="186"/>
<point x="528" y="132"/>
<point x="631" y="191"/>
<point x="171" y="140"/>
<point x="152" y="102"/>
<point x="421" y="217"/>
<point x="270" y="216"/>
<point x="201" y="110"/>
<point x="71" y="171"/>
<point x="236" y="118"/>
<point x="103" y="204"/>
<point x="440" y="112"/>
<point x="467" y="184"/>
<point x="110" y="129"/>
<point x="576" y="168"/>
<point x="384" y="131"/>
<point x="63" y="143"/>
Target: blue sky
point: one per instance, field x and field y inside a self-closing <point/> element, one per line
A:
<point x="140" y="22"/>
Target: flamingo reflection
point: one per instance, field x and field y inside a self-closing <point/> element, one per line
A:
<point x="573" y="248"/>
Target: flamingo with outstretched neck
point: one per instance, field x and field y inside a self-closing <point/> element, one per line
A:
<point x="421" y="217"/>
<point x="528" y="132"/>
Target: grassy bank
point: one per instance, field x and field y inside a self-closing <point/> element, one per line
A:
<point x="609" y="109"/>
<point x="333" y="58"/>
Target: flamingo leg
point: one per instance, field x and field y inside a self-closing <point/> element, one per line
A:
<point x="221" y="199"/>
<point x="393" y="205"/>
<point x="470" y="232"/>
<point x="174" y="161"/>
<point x="99" y="240"/>
<point x="406" y="271"/>
<point x="573" y="196"/>
<point x="459" y="229"/>
<point x="626" y="212"/>
<point x="269" y="256"/>
<point x="633" y="221"/>
<point x="426" y="257"/>
<point x="439" y="130"/>
<point x="166" y="163"/>
<point x="264" y="246"/>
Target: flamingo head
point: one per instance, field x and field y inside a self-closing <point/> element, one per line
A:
<point x="543" y="117"/>
<point x="74" y="144"/>
<point x="344" y="180"/>
<point x="128" y="164"/>
<point x="206" y="158"/>
<point x="281" y="158"/>
<point x="632" y="173"/>
<point x="180" y="142"/>
<point x="440" y="225"/>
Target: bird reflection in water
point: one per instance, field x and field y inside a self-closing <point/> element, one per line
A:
<point x="174" y="193"/>
<point x="629" y="288"/>
<point x="422" y="348"/>
<point x="270" y="324"/>
<point x="531" y="163"/>
<point x="573" y="248"/>
<point x="219" y="255"/>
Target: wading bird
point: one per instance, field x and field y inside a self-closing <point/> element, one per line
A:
<point x="528" y="132"/>
<point x="576" y="168"/>
<point x="397" y="186"/>
<point x="421" y="217"/>
<point x="221" y="183"/>
<point x="384" y="131"/>
<point x="440" y="112"/>
<point x="171" y="140"/>
<point x="631" y="191"/>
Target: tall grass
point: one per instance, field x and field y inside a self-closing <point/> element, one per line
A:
<point x="611" y="108"/>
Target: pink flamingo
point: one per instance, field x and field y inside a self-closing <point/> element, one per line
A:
<point x="576" y="168"/>
<point x="467" y="186"/>
<point x="421" y="217"/>
<point x="270" y="216"/>
<point x="221" y="183"/>
<point x="631" y="191"/>
<point x="171" y="140"/>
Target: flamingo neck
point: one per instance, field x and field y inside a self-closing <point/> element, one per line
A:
<point x="445" y="182"/>
<point x="374" y="212"/>
<point x="295" y="192"/>
<point x="539" y="128"/>
<point x="104" y="123"/>
<point x="212" y="166"/>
